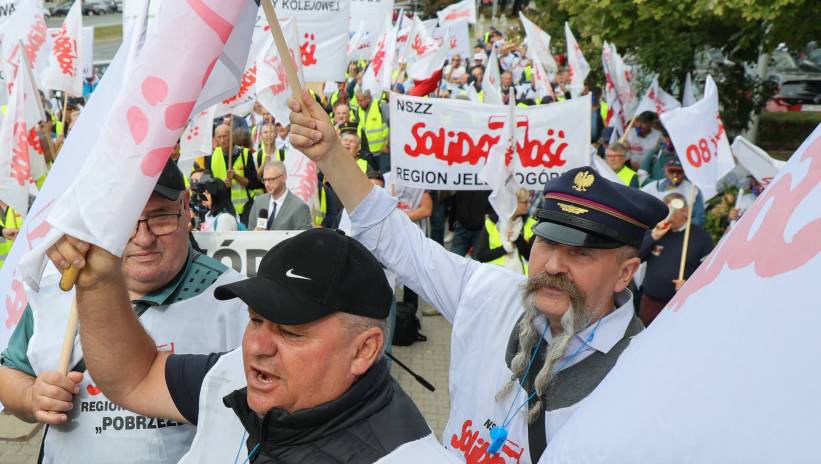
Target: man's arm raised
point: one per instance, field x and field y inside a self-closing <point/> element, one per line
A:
<point x="119" y="354"/>
<point x="313" y="134"/>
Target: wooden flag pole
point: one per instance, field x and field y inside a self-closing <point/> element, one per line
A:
<point x="629" y="126"/>
<point x="40" y="108"/>
<point x="692" y="200"/>
<point x="230" y="166"/>
<point x="282" y="48"/>
<point x="66" y="282"/>
<point x="63" y="114"/>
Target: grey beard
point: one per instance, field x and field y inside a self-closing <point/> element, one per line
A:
<point x="575" y="317"/>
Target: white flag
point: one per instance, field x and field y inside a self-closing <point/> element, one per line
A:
<point x="425" y="66"/>
<point x="198" y="137"/>
<point x="578" y="67"/>
<point x="272" y="84"/>
<point x="540" y="80"/>
<point x="458" y="12"/>
<point x="744" y="391"/>
<point x="657" y="100"/>
<point x="700" y="140"/>
<point x="355" y="41"/>
<point x="242" y="102"/>
<point x="755" y="160"/>
<point x="26" y="25"/>
<point x="21" y="154"/>
<point x="65" y="62"/>
<point x="538" y="44"/>
<point x="689" y="94"/>
<point x="420" y="42"/>
<point x="499" y="170"/>
<point x="619" y="93"/>
<point x="146" y="120"/>
<point x="492" y="80"/>
<point x="377" y="76"/>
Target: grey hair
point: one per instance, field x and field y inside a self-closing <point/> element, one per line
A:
<point x="356" y="324"/>
<point x="274" y="163"/>
<point x="572" y="319"/>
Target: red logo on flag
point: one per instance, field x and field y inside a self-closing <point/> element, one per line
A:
<point x="65" y="50"/>
<point x="307" y="49"/>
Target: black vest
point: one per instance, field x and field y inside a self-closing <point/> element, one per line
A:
<point x="373" y="418"/>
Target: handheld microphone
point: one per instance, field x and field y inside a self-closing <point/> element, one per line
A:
<point x="262" y="221"/>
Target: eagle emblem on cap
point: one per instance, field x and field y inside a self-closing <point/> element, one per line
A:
<point x="583" y="181"/>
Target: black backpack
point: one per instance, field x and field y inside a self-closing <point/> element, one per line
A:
<point x="406" y="331"/>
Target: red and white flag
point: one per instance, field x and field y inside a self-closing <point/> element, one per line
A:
<point x="458" y="12"/>
<point x="24" y="32"/>
<point x="538" y="44"/>
<point x="272" y="85"/>
<point x="492" y="80"/>
<point x="700" y="140"/>
<point x="657" y="100"/>
<point x="577" y="65"/>
<point x="429" y="64"/>
<point x="21" y="154"/>
<point x="355" y="41"/>
<point x="420" y="42"/>
<point x="198" y="137"/>
<point x="619" y="93"/>
<point x="756" y="161"/>
<point x="377" y="76"/>
<point x="500" y="168"/>
<point x="540" y="80"/>
<point x="65" y="62"/>
<point x="242" y="102"/>
<point x="722" y="374"/>
<point x="145" y="121"/>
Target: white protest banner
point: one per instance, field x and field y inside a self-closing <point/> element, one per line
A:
<point x="272" y="88"/>
<point x="78" y="145"/>
<point x="755" y="160"/>
<point x="26" y="25"/>
<point x="147" y="118"/>
<point x="87" y="39"/>
<point x="442" y="144"/>
<point x="538" y="44"/>
<point x="323" y="27"/>
<point x="241" y="251"/>
<point x="64" y="70"/>
<point x="576" y="63"/>
<point x="198" y="137"/>
<point x="689" y="93"/>
<point x="456" y="37"/>
<point x="700" y="141"/>
<point x="7" y="8"/>
<point x="657" y="100"/>
<point x="369" y="11"/>
<point x="722" y="374"/>
<point x="464" y="11"/>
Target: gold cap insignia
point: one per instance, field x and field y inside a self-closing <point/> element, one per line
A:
<point x="572" y="209"/>
<point x="582" y="181"/>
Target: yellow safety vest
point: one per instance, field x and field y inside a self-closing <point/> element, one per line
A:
<point x="11" y="220"/>
<point x="239" y="194"/>
<point x="603" y="109"/>
<point x="529" y="73"/>
<point x="375" y="130"/>
<point x="494" y="240"/>
<point x="626" y="175"/>
<point x="323" y="206"/>
<point x="363" y="165"/>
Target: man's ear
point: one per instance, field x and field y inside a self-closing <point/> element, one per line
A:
<point x="368" y="345"/>
<point x="627" y="270"/>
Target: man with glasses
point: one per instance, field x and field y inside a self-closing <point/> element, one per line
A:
<point x="171" y="291"/>
<point x="282" y="209"/>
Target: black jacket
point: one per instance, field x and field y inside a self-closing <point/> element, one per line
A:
<point x="373" y="418"/>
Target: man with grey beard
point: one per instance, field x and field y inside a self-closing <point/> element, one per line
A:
<point x="524" y="351"/>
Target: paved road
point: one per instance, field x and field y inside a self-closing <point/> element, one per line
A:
<point x="103" y="20"/>
<point x="429" y="359"/>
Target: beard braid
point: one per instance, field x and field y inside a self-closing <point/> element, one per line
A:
<point x="577" y="315"/>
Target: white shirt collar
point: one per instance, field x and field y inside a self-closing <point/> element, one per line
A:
<point x="278" y="202"/>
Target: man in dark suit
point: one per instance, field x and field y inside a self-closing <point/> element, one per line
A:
<point x="285" y="211"/>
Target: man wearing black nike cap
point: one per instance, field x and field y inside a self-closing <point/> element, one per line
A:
<point x="309" y="383"/>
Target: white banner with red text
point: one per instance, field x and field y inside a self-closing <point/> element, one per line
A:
<point x="241" y="251"/>
<point x="724" y="374"/>
<point x="700" y="140"/>
<point x="442" y="144"/>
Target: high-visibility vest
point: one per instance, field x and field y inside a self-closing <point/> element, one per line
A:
<point x="529" y="73"/>
<point x="374" y="129"/>
<point x="11" y="220"/>
<point x="494" y="240"/>
<point x="363" y="165"/>
<point x="239" y="194"/>
<point x="323" y="206"/>
<point x="626" y="175"/>
<point x="603" y="109"/>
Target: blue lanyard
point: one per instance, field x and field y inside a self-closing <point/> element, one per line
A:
<point x="499" y="434"/>
<point x="241" y="442"/>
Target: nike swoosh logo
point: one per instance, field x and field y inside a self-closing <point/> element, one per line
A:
<point x="290" y="273"/>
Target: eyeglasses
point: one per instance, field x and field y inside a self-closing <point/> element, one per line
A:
<point x="268" y="180"/>
<point x="161" y="224"/>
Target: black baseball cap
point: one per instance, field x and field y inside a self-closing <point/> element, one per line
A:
<point x="170" y="183"/>
<point x="313" y="275"/>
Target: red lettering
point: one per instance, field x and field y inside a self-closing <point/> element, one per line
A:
<point x="738" y="250"/>
<point x="65" y="50"/>
<point x="475" y="449"/>
<point x="249" y="78"/>
<point x="16" y="306"/>
<point x="20" y="163"/>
